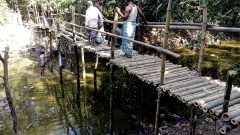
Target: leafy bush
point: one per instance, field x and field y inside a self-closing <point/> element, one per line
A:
<point x="4" y="12"/>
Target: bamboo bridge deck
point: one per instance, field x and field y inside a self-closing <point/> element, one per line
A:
<point x="180" y="82"/>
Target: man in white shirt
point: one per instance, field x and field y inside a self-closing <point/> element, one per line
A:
<point x="93" y="20"/>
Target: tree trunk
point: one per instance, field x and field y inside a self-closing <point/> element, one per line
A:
<point x="8" y="91"/>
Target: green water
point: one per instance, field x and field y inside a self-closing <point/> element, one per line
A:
<point x="51" y="109"/>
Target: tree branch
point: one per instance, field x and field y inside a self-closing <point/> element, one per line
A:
<point x="2" y="59"/>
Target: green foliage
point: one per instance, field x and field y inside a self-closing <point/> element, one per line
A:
<point x="236" y="67"/>
<point x="4" y="12"/>
<point x="221" y="12"/>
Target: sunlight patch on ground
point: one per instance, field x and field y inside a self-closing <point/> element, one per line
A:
<point x="14" y="36"/>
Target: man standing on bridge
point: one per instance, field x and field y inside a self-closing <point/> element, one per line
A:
<point x="93" y="20"/>
<point x="129" y="26"/>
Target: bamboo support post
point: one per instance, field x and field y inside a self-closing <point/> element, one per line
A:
<point x="77" y="75"/>
<point x="113" y="32"/>
<point x="73" y="26"/>
<point x="95" y="73"/>
<point x="83" y="64"/>
<point x="111" y="98"/>
<point x="203" y="42"/>
<point x="112" y="76"/>
<point x="51" y="51"/>
<point x="203" y="39"/>
<point x="193" y="120"/>
<point x="228" y="89"/>
<point x="60" y="61"/>
<point x="169" y="8"/>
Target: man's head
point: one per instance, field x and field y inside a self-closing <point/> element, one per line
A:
<point x="128" y="1"/>
<point x="101" y="2"/>
<point x="15" y="7"/>
<point x="89" y="3"/>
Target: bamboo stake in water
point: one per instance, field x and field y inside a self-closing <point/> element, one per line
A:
<point x="83" y="64"/>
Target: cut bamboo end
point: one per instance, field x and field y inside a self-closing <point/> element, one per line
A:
<point x="170" y="93"/>
<point x="211" y="111"/>
<point x="205" y="109"/>
<point x="189" y="103"/>
<point x="179" y="97"/>
<point x="218" y="113"/>
<point x="198" y="103"/>
<point x="225" y="117"/>
<point x="236" y="120"/>
<point x="225" y="129"/>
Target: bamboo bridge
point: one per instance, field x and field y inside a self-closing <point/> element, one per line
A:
<point x="186" y="85"/>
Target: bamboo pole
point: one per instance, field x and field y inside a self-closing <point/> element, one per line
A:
<point x="51" y="51"/>
<point x="113" y="32"/>
<point x="112" y="75"/>
<point x="193" y="119"/>
<point x="218" y="101"/>
<point x="73" y="26"/>
<point x="236" y="120"/>
<point x="183" y="25"/>
<point x="78" y="76"/>
<point x="198" y="95"/>
<point x="111" y="98"/>
<point x="83" y="64"/>
<point x="169" y="8"/>
<point x="203" y="39"/>
<point x="95" y="73"/>
<point x="226" y="128"/>
<point x="60" y="61"/>
<point x="228" y="89"/>
<point x="218" y="110"/>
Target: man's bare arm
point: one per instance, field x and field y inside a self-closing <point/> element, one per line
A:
<point x="141" y="14"/>
<point x="126" y="12"/>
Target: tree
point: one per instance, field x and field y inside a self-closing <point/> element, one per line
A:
<point x="8" y="92"/>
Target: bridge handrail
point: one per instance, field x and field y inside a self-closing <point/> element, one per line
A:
<point x="159" y="49"/>
<point x="180" y="25"/>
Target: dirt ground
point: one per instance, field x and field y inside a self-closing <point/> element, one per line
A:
<point x="204" y="127"/>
